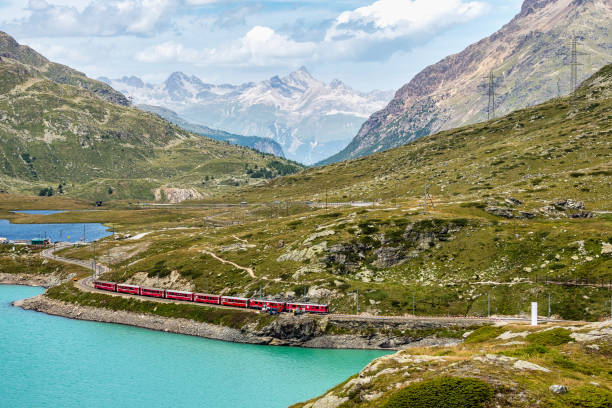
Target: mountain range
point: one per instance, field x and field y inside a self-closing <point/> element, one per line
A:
<point x="310" y="119"/>
<point x="529" y="58"/>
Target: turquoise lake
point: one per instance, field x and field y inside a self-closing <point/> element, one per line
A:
<point x="49" y="361"/>
<point x="69" y="232"/>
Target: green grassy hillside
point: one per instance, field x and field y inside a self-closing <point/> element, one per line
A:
<point x="559" y="149"/>
<point x="56" y="134"/>
<point x="521" y="214"/>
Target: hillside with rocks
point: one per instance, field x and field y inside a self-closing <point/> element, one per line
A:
<point x="519" y="211"/>
<point x="530" y="55"/>
<point x="61" y="74"/>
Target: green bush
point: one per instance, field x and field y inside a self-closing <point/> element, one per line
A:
<point x="484" y="333"/>
<point x="530" y="350"/>
<point x="444" y="392"/>
<point x="554" y="337"/>
<point x="588" y="397"/>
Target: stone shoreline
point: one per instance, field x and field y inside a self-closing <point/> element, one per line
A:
<point x="301" y="331"/>
<point x="45" y="281"/>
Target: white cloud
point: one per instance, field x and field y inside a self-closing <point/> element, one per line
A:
<point x="387" y="26"/>
<point x="201" y="2"/>
<point x="261" y="46"/>
<point x="94" y="18"/>
<point x="168" y="51"/>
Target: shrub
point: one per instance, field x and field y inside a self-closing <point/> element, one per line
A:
<point x="530" y="350"/>
<point x="444" y="392"/>
<point x="589" y="397"/>
<point x="554" y="337"/>
<point x="484" y="333"/>
<point x="476" y="205"/>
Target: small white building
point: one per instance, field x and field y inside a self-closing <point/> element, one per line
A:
<point x="3" y="240"/>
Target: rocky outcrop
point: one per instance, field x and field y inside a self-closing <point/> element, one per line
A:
<point x="45" y="281"/>
<point x="566" y="208"/>
<point x="448" y="94"/>
<point x="176" y="195"/>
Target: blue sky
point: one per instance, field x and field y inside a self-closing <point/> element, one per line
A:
<point x="369" y="44"/>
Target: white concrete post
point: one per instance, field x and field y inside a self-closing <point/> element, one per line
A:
<point x="534" y="313"/>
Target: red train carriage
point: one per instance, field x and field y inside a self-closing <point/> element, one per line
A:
<point x="307" y="307"/>
<point x="105" y="285"/>
<point x="153" y="292"/>
<point x="179" y="295"/>
<point x="266" y="304"/>
<point x="204" y="298"/>
<point x="124" y="288"/>
<point x="234" y="301"/>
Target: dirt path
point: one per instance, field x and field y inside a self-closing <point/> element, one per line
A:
<point x="235" y="265"/>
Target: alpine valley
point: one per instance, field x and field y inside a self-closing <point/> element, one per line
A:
<point x="310" y="119"/>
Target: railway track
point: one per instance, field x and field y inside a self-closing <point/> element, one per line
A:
<point x="86" y="284"/>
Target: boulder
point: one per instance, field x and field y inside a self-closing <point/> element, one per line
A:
<point x="500" y="212"/>
<point x="558" y="389"/>
<point x="513" y="201"/>
<point x="569" y="204"/>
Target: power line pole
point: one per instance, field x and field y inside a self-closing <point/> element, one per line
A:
<point x="574" y="64"/>
<point x="94" y="259"/>
<point x="488" y="87"/>
<point x="549" y="305"/>
<point x="491" y="95"/>
<point x="489" y="304"/>
<point x="413" y="305"/>
<point x="427" y="196"/>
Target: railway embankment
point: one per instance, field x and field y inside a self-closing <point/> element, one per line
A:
<point x="285" y="330"/>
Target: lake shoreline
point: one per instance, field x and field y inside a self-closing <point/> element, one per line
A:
<point x="246" y="335"/>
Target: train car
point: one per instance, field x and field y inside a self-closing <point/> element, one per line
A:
<point x="266" y="304"/>
<point x="124" y="288"/>
<point x="234" y="301"/>
<point x="204" y="298"/>
<point x="179" y="295"/>
<point x="307" y="307"/>
<point x="153" y="292"/>
<point x="110" y="286"/>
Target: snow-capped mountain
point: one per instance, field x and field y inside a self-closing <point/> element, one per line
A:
<point x="310" y="119"/>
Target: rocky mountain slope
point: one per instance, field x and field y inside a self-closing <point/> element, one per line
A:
<point x="310" y="119"/>
<point x="262" y="144"/>
<point x="61" y="74"/>
<point x="530" y="55"/>
<point x="62" y="136"/>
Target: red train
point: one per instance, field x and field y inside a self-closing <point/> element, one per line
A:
<point x="259" y="304"/>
